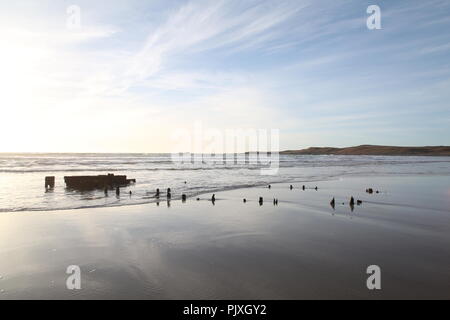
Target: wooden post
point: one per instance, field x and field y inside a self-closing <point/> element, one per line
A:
<point x="49" y="182"/>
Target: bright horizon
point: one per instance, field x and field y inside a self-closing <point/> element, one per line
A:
<point x="181" y="151"/>
<point x="134" y="73"/>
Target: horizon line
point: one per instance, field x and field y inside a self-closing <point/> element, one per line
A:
<point x="177" y="152"/>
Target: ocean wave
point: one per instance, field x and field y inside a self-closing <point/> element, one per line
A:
<point x="139" y="201"/>
<point x="112" y="166"/>
<point x="24" y="190"/>
<point x="123" y="169"/>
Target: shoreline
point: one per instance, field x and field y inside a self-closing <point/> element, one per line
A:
<point x="191" y="196"/>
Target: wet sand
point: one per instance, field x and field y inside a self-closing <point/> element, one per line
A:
<point x="300" y="249"/>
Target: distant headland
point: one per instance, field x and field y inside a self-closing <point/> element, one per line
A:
<point x="375" y="151"/>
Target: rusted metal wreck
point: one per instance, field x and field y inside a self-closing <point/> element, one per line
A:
<point x="97" y="182"/>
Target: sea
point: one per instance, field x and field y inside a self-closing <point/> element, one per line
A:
<point x="22" y="175"/>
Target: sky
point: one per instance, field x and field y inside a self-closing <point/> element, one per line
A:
<point x="133" y="73"/>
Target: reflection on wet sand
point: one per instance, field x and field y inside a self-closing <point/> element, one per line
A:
<point x="242" y="251"/>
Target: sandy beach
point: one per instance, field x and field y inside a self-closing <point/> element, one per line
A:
<point x="300" y="249"/>
<point x="224" y="156"/>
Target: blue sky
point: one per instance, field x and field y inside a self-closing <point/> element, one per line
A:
<point x="311" y="69"/>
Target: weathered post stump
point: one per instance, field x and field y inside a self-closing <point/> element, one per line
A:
<point x="49" y="182"/>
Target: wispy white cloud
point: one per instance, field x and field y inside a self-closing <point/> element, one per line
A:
<point x="438" y="48"/>
<point x="204" y="25"/>
<point x="293" y="65"/>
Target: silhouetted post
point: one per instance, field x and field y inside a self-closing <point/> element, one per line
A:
<point x="49" y="182"/>
<point x="261" y="201"/>
<point x="157" y="193"/>
<point x="352" y="201"/>
<point x="213" y="198"/>
<point x="270" y="186"/>
<point x="303" y="187"/>
<point x="117" y="191"/>
<point x="183" y="197"/>
<point x="106" y="191"/>
<point x="245" y="200"/>
<point x="316" y="188"/>
<point x="291" y="187"/>
<point x="332" y="203"/>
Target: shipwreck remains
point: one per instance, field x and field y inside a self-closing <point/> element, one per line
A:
<point x="97" y="182"/>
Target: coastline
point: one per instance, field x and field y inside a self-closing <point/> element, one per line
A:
<point x="375" y="150"/>
<point x="23" y="183"/>
<point x="178" y="197"/>
<point x="299" y="249"/>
